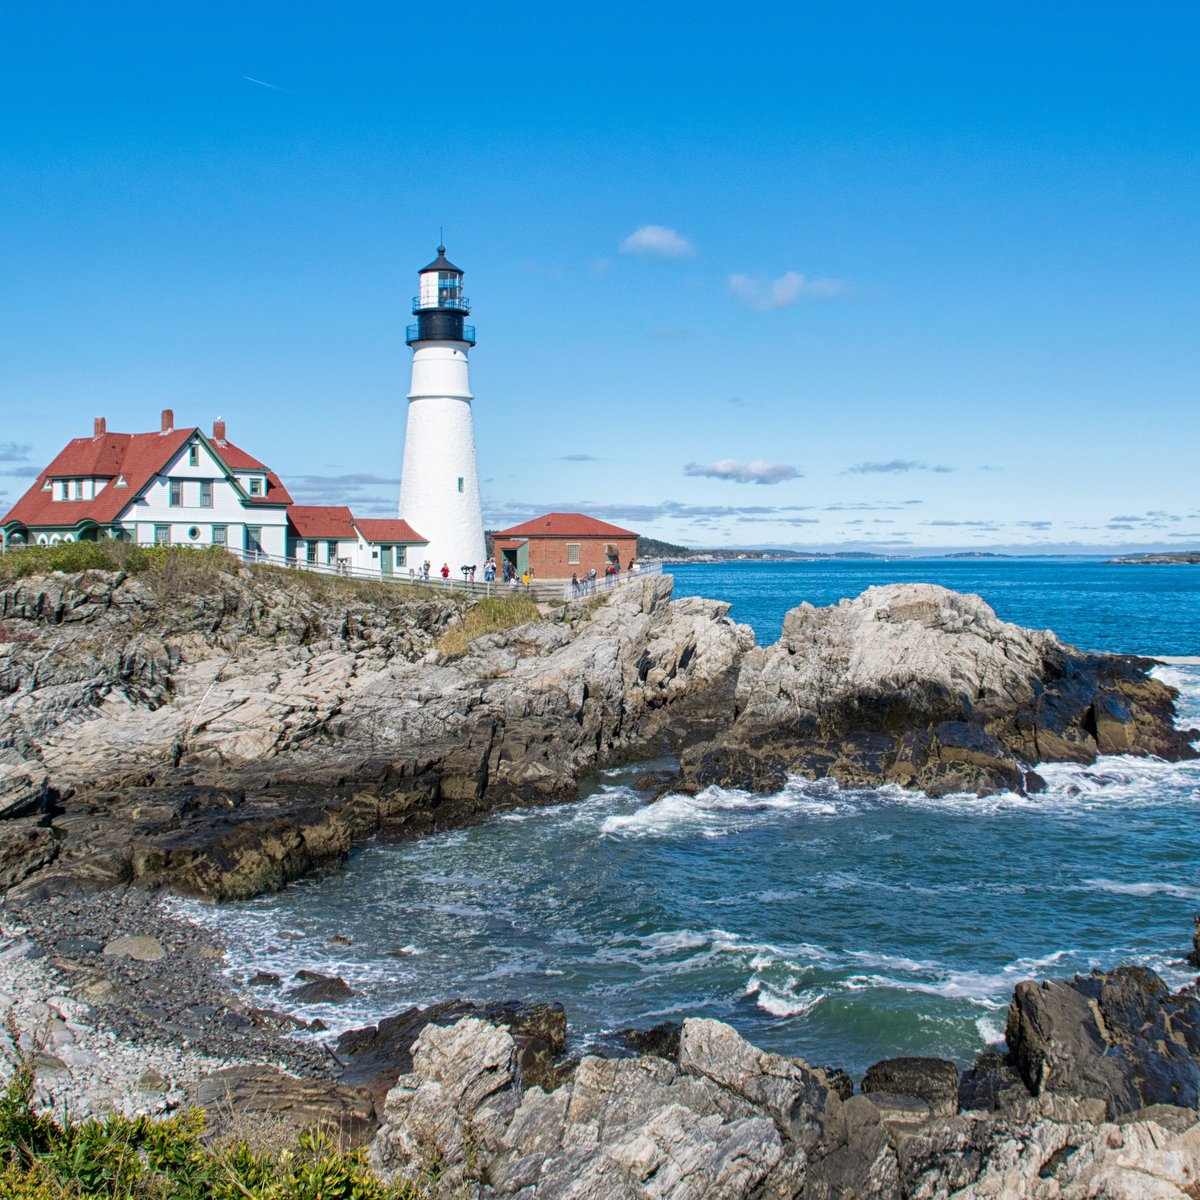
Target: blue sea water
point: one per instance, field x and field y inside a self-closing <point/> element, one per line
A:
<point x="844" y="925"/>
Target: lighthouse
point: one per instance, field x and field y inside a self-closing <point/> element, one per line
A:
<point x="439" y="481"/>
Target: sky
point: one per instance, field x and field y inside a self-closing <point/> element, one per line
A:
<point x="826" y="275"/>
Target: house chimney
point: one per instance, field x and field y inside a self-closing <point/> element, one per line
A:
<point x="219" y="430"/>
<point x="168" y="420"/>
<point x="99" y="427"/>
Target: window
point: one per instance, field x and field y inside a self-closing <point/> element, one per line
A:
<point x="402" y="556"/>
<point x="78" y="487"/>
<point x="331" y="552"/>
<point x="256" y="488"/>
<point x="193" y="455"/>
<point x="63" y="489"/>
<point x="254" y="539"/>
<point x="194" y="533"/>
<point x="162" y="535"/>
<point x="573" y="552"/>
<point x="311" y="552"/>
<point x="176" y="493"/>
<point x="220" y="535"/>
<point x="206" y="493"/>
<point x="460" y="483"/>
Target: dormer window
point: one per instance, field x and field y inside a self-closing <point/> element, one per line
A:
<point x="193" y="455"/>
<point x="256" y="486"/>
<point x="120" y="482"/>
<point x="47" y="485"/>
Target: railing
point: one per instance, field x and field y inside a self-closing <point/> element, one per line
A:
<point x="542" y="590"/>
<point x="452" y="303"/>
<point x="412" y="334"/>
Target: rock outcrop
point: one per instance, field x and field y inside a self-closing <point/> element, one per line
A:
<point x="225" y="732"/>
<point x="225" y="737"/>
<point x="916" y="685"/>
<point x="727" y="1120"/>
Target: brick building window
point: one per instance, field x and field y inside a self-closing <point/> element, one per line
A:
<point x="572" y="553"/>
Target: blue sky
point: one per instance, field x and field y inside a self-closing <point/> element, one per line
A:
<point x="888" y="275"/>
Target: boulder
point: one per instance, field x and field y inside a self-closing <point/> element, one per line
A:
<point x="376" y="1056"/>
<point x="316" y="988"/>
<point x="933" y="1080"/>
<point x="1120" y="1037"/>
<point x="139" y="947"/>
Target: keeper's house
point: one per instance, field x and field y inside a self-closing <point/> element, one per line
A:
<point x="559" y="545"/>
<point x="176" y="487"/>
<point x="330" y="535"/>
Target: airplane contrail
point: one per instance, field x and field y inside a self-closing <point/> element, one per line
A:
<point x="263" y="83"/>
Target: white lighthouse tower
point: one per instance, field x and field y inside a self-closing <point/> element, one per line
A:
<point x="439" y="482"/>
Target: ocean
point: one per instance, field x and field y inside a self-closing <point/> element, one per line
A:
<point x="842" y="925"/>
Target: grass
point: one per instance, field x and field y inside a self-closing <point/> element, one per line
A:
<point x="139" y="1158"/>
<point x="175" y="570"/>
<point x="491" y="615"/>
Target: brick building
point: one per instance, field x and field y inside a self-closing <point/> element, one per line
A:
<point x="558" y="545"/>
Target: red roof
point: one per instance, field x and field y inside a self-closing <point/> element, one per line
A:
<point x="388" y="531"/>
<point x="137" y="457"/>
<point x="565" y="525"/>
<point x="321" y="521"/>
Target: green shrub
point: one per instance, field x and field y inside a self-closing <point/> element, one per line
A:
<point x="140" y="1158"/>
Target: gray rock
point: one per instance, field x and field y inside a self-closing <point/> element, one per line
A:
<point x="139" y="947"/>
<point x="320" y="989"/>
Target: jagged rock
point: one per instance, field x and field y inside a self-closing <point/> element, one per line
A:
<point x="258" y="1091"/>
<point x="1050" y="1152"/>
<point x="1120" y="1037"/>
<point x="992" y="1082"/>
<point x="376" y="1056"/>
<point x="27" y="845"/>
<point x="617" y="1128"/>
<point x="933" y="1080"/>
<point x="920" y="686"/>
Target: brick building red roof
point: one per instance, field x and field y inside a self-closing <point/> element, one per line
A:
<point x="388" y="531"/>
<point x="136" y="457"/>
<point x="321" y="521"/>
<point x="564" y="525"/>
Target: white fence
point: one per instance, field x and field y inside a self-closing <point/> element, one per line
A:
<point x="549" y="589"/>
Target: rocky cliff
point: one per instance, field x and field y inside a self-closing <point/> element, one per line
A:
<point x="223" y="731"/>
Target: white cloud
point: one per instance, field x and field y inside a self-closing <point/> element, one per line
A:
<point x="756" y="471"/>
<point x="657" y="241"/>
<point x="765" y="295"/>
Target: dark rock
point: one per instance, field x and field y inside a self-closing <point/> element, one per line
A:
<point x="263" y="979"/>
<point x="662" y="1039"/>
<point x="991" y="1083"/>
<point x="320" y="989"/>
<point x="934" y="1080"/>
<point x="855" y="1156"/>
<point x="839" y="1082"/>
<point x="1194" y="956"/>
<point x="77" y="947"/>
<point x="1120" y="1037"/>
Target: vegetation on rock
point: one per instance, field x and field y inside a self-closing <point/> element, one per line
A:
<point x="140" y="1158"/>
<point x="492" y="615"/>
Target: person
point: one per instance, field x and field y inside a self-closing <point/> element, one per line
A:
<point x="513" y="582"/>
<point x="574" y="583"/>
<point x="526" y="578"/>
<point x="591" y="580"/>
<point x="489" y="571"/>
<point x="471" y="576"/>
<point x="425" y="569"/>
<point x="445" y="574"/>
<point x="633" y="565"/>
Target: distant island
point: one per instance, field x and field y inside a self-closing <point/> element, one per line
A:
<point x="649" y="547"/>
<point x="1181" y="556"/>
